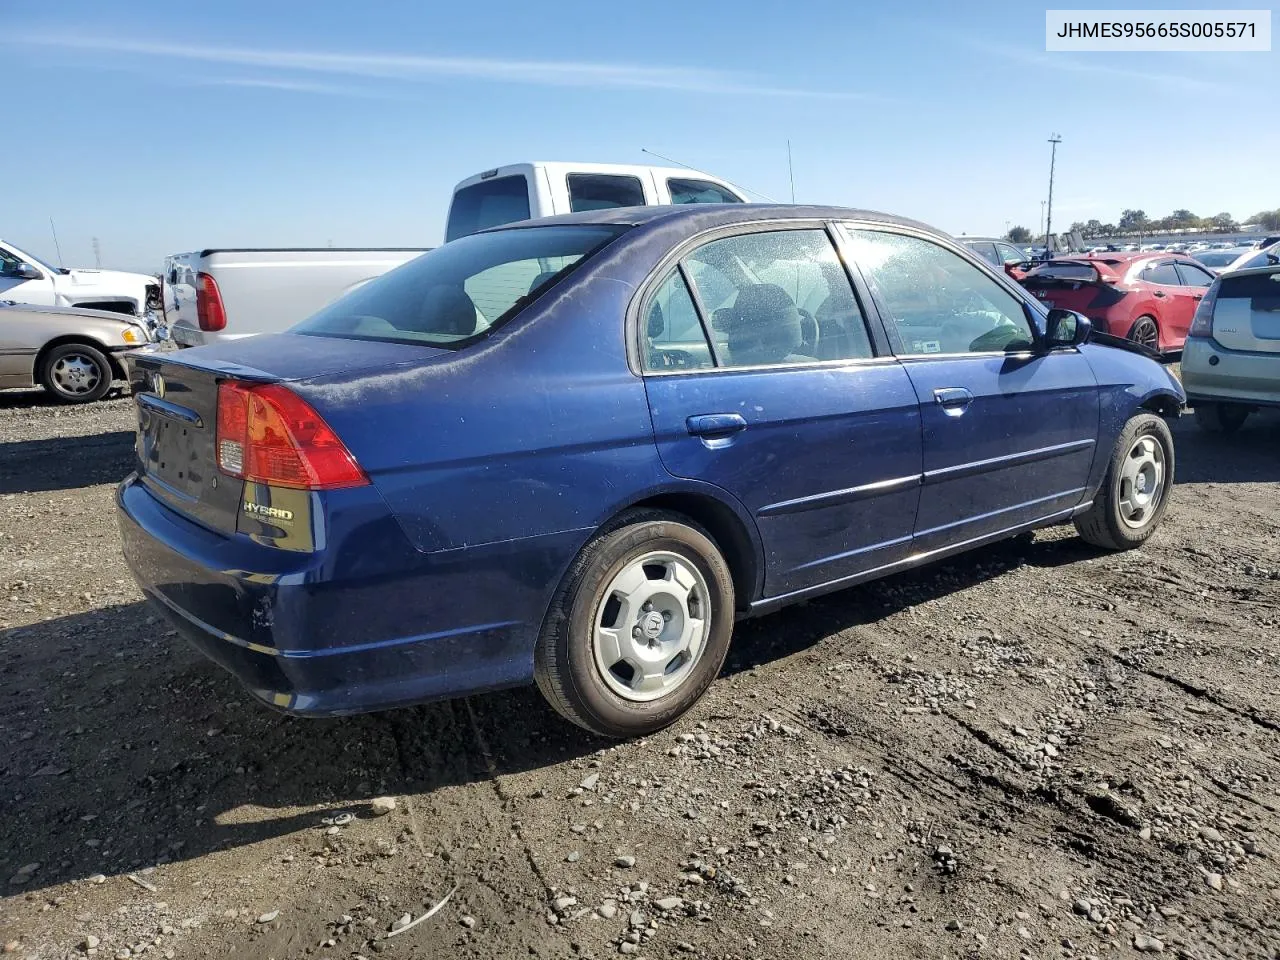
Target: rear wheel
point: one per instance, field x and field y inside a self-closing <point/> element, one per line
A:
<point x="76" y="373"/>
<point x="1221" y="417"/>
<point x="640" y="627"/>
<point x="1146" y="332"/>
<point x="1132" y="499"/>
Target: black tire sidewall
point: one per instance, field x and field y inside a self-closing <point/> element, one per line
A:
<point x="1145" y="424"/>
<point x="607" y="712"/>
<point x="105" y="373"/>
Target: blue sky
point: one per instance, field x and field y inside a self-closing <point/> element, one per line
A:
<point x="162" y="127"/>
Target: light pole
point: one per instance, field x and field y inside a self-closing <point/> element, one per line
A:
<point x="1042" y="216"/>
<point x="1055" y="139"/>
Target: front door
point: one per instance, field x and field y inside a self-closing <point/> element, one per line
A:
<point x="785" y="403"/>
<point x="1009" y="431"/>
<point x="20" y="289"/>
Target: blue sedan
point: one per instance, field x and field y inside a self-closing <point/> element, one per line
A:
<point x="574" y="451"/>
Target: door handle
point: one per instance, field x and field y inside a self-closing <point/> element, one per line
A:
<point x="1159" y="293"/>
<point x="953" y="397"/>
<point x="1197" y="296"/>
<point x="715" y="424"/>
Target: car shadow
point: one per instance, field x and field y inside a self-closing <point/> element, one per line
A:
<point x="65" y="463"/>
<point x="1250" y="455"/>
<point x="31" y="397"/>
<point x="121" y="747"/>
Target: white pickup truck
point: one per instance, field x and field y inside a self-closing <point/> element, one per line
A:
<point x="25" y="278"/>
<point x="213" y="295"/>
<point x="216" y="295"/>
<point x="525" y="191"/>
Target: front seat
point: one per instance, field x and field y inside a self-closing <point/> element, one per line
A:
<point x="762" y="326"/>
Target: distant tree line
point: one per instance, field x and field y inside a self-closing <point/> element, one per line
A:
<point x="1135" y="222"/>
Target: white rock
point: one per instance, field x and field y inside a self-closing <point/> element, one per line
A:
<point x="381" y="806"/>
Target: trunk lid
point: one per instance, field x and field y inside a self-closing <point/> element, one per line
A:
<point x="176" y="444"/>
<point x="1246" y="315"/>
<point x="1083" y="286"/>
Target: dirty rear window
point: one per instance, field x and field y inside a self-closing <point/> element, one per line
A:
<point x="1063" y="271"/>
<point x="460" y="291"/>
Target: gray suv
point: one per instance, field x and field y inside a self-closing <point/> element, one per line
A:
<point x="1231" y="361"/>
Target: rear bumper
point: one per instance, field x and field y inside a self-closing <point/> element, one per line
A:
<point x="324" y="635"/>
<point x="1210" y="372"/>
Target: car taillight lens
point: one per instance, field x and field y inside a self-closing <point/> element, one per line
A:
<point x="268" y="434"/>
<point x="1202" y="322"/>
<point x="210" y="313"/>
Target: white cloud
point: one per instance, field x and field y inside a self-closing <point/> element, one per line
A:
<point x="407" y="67"/>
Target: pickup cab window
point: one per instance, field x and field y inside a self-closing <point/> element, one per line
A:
<point x="685" y="190"/>
<point x="595" y="191"/>
<point x="489" y="203"/>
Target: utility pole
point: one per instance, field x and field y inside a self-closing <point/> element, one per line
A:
<point x="1055" y="139"/>
<point x="1041" y="216"/>
<point x="97" y="254"/>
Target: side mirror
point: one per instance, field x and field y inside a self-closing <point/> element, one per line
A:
<point x="1066" y="328"/>
<point x="27" y="271"/>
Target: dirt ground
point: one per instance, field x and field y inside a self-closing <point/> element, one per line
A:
<point x="1034" y="750"/>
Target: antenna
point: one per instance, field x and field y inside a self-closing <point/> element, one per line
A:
<point x="791" y="172"/>
<point x="54" y="230"/>
<point x="696" y="170"/>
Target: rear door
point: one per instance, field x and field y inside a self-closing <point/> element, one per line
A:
<point x="1009" y="432"/>
<point x="791" y="410"/>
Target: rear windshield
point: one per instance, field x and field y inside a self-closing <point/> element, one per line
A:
<point x="489" y="203"/>
<point x="460" y="291"/>
<point x="1261" y="288"/>
<point x="1218" y="258"/>
<point x="1063" y="271"/>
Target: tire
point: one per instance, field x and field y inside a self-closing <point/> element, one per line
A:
<point x="1125" y="511"/>
<point x="602" y="596"/>
<point x="1146" y="331"/>
<point x="76" y="373"/>
<point x="1221" y="417"/>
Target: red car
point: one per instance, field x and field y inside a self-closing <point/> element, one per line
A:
<point x="1147" y="297"/>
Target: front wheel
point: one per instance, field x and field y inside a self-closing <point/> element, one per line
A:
<point x="1221" y="417"/>
<point x="76" y="373"/>
<point x="1133" y="496"/>
<point x="639" y="628"/>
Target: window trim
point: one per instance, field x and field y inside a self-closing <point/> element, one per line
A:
<point x="568" y="187"/>
<point x="1031" y="307"/>
<point x="638" y="308"/>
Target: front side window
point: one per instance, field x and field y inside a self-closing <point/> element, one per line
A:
<point x="489" y="203"/>
<point x="8" y="264"/>
<point x="595" y="191"/>
<point x="685" y="190"/>
<point x="460" y="290"/>
<point x="937" y="301"/>
<point x="1193" y="276"/>
<point x="778" y="297"/>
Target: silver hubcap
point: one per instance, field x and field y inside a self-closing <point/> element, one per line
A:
<point x="75" y="374"/>
<point x="1141" y="482"/>
<point x="651" y="626"/>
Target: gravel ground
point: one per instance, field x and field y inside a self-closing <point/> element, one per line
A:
<point x="1034" y="750"/>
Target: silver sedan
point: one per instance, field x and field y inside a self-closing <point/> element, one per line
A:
<point x="75" y="354"/>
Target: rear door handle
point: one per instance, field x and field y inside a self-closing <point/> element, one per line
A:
<point x="715" y="424"/>
<point x="1159" y="293"/>
<point x="953" y="397"/>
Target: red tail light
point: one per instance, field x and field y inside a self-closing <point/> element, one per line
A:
<point x="1202" y="322"/>
<point x="210" y="313"/>
<point x="268" y="434"/>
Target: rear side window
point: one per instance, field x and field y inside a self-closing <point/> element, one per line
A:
<point x="673" y="334"/>
<point x="461" y="290"/>
<point x="778" y="297"/>
<point x="984" y="249"/>
<point x="1163" y="273"/>
<point x="489" y="203"/>
<point x="684" y="190"/>
<point x="594" y="191"/>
